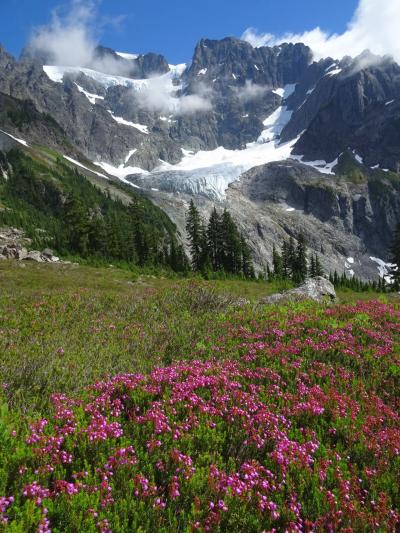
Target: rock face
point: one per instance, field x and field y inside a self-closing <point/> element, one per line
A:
<point x="329" y="110"/>
<point x="236" y="61"/>
<point x="110" y="62"/>
<point x="317" y="289"/>
<point x="90" y="128"/>
<point x="14" y="244"/>
<point x="355" y="106"/>
<point x="352" y="103"/>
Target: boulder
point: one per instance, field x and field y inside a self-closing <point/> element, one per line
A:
<point x="34" y="255"/>
<point x="21" y="253"/>
<point x="48" y="252"/>
<point x="317" y="289"/>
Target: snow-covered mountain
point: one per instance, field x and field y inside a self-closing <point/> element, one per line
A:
<point x="178" y="131"/>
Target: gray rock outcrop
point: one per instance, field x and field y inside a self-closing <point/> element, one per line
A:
<point x="14" y="245"/>
<point x="316" y="289"/>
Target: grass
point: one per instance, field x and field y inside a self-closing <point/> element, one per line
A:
<point x="299" y="397"/>
<point x="64" y="326"/>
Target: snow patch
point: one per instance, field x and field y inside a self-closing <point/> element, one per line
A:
<point x="274" y="124"/>
<point x="187" y="153"/>
<point x="121" y="172"/>
<point x="285" y="92"/>
<point x="331" y="66"/>
<point x="320" y="165"/>
<point x="130" y="155"/>
<point x="358" y="158"/>
<point x="202" y="72"/>
<point x="390" y="102"/>
<point x="334" y="72"/>
<point x="255" y="66"/>
<point x="91" y="97"/>
<point x="210" y="172"/>
<point x="141" y="127"/>
<point x="21" y="141"/>
<point x="350" y="260"/>
<point x="83" y="166"/>
<point x="125" y="55"/>
<point x="56" y="74"/>
<point x="383" y="269"/>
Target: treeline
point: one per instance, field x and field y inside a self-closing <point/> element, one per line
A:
<point x="60" y="208"/>
<point x="294" y="262"/>
<point x="218" y="246"/>
<point x="395" y="260"/>
<point x="358" y="285"/>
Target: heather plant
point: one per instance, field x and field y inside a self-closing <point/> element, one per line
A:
<point x="268" y="419"/>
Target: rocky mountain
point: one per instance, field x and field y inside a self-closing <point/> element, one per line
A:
<point x="287" y="143"/>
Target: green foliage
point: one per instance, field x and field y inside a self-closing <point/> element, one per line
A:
<point x="355" y="284"/>
<point x="59" y="207"/>
<point x="294" y="263"/>
<point x="218" y="247"/>
<point x="395" y="259"/>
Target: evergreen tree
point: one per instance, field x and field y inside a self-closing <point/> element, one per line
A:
<point x="335" y="278"/>
<point x="195" y="232"/>
<point x="231" y="245"/>
<point x="77" y="224"/>
<point x="287" y="258"/>
<point x="247" y="262"/>
<point x="214" y="241"/>
<point x="315" y="269"/>
<point x="176" y="258"/>
<point x="300" y="270"/>
<point x="277" y="264"/>
<point x="395" y="259"/>
<point x="312" y="270"/>
<point x="204" y="260"/>
<point x="319" y="271"/>
<point x="268" y="273"/>
<point x="142" y="245"/>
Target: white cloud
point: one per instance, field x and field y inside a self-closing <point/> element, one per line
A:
<point x="159" y="95"/>
<point x="71" y="38"/>
<point x="68" y="40"/>
<point x="250" y="91"/>
<point x="192" y="103"/>
<point x="374" y="26"/>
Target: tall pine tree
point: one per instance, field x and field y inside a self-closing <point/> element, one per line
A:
<point x="196" y="237"/>
<point x="277" y="264"/>
<point x="300" y="269"/>
<point x="247" y="262"/>
<point x="395" y="259"/>
<point x="214" y="241"/>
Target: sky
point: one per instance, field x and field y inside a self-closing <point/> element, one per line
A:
<point x="172" y="27"/>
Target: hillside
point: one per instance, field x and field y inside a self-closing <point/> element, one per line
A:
<point x="58" y="207"/>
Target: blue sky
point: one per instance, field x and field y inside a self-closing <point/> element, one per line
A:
<point x="172" y="27"/>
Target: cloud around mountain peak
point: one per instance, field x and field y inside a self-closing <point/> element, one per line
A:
<point x="374" y="26"/>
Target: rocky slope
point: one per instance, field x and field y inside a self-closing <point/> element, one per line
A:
<point x="286" y="143"/>
<point x="347" y="219"/>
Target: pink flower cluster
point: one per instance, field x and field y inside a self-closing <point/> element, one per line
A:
<point x="281" y="413"/>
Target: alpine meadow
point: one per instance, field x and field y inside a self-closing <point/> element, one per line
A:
<point x="199" y="267"/>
